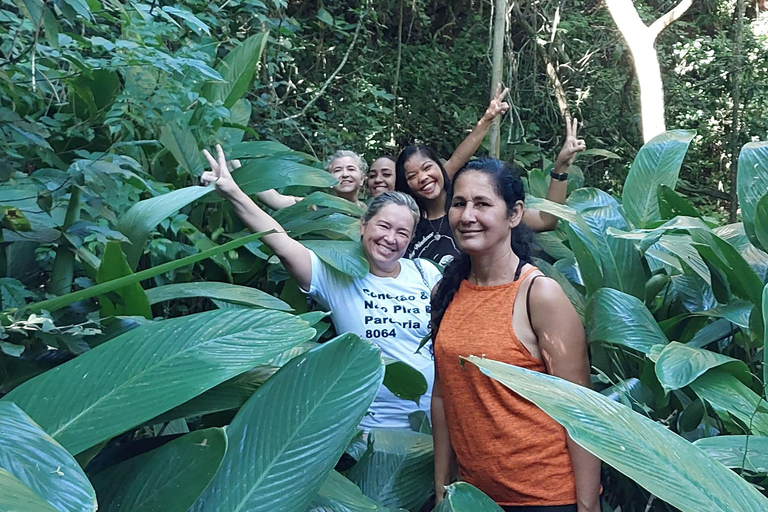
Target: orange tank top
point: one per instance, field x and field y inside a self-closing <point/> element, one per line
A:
<point x="505" y="445"/>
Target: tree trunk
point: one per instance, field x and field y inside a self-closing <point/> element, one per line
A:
<point x="735" y="72"/>
<point x="641" y="39"/>
<point x="499" y="30"/>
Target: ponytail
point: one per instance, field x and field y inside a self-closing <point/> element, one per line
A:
<point x="456" y="271"/>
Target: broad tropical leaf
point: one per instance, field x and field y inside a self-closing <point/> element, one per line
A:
<point x="133" y="300"/>
<point x="70" y="298"/>
<point x="39" y="463"/>
<point x="232" y="293"/>
<point x="237" y="70"/>
<point x="303" y="417"/>
<point x="397" y="470"/>
<point x="635" y="445"/>
<point x="589" y="269"/>
<point x="752" y="182"/>
<point x="262" y="174"/>
<point x="338" y="494"/>
<point x="620" y="319"/>
<point x="672" y="204"/>
<point x="678" y="365"/>
<point x="404" y="381"/>
<point x="464" y="497"/>
<point x="657" y="163"/>
<point x="167" y="479"/>
<point x="183" y="146"/>
<point x="748" y="453"/>
<point x="161" y="366"/>
<point x="141" y="219"/>
<point x="761" y="222"/>
<point x="17" y="497"/>
<point x="326" y="201"/>
<point x="728" y="396"/>
<point x="346" y="257"/>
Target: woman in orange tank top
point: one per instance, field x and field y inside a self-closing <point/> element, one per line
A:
<point x="492" y="303"/>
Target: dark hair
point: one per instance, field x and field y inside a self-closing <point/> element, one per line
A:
<point x="401" y="185"/>
<point x="508" y="185"/>
<point x="388" y="157"/>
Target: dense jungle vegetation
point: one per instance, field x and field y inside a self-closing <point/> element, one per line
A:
<point x="153" y="356"/>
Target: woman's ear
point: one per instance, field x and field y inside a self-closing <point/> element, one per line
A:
<point x="517" y="214"/>
<point x="362" y="227"/>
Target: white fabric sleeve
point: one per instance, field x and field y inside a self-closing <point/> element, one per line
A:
<point x="322" y="280"/>
<point x="431" y="272"/>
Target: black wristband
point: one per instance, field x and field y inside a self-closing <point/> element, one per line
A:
<point x="559" y="176"/>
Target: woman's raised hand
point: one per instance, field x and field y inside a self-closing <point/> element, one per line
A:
<point x="220" y="173"/>
<point x="497" y="106"/>
<point x="571" y="146"/>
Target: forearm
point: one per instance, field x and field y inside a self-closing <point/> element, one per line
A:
<point x="445" y="458"/>
<point x="468" y="146"/>
<point x="586" y="471"/>
<point x="275" y="199"/>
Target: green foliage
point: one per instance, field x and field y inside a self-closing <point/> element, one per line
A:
<point x="464" y="497"/>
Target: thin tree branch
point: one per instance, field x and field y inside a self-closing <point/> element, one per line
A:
<point x="333" y="75"/>
<point x="673" y="15"/>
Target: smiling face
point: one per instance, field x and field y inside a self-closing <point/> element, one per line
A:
<point x="424" y="177"/>
<point x="386" y="235"/>
<point x="381" y="176"/>
<point x="479" y="216"/>
<point x="347" y="171"/>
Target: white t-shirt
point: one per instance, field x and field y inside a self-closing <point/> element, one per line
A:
<point x="392" y="312"/>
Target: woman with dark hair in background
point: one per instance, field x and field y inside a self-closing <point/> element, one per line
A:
<point x="420" y="173"/>
<point x="381" y="176"/>
<point x="491" y="302"/>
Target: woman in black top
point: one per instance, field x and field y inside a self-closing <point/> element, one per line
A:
<point x="419" y="172"/>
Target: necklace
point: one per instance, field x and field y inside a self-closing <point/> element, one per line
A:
<point x="436" y="231"/>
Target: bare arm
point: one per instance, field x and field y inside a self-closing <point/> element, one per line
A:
<point x="541" y="221"/>
<point x="294" y="256"/>
<point x="469" y="145"/>
<point x="564" y="351"/>
<point x="445" y="458"/>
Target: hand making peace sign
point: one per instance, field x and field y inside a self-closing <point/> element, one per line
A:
<point x="220" y="173"/>
<point x="572" y="144"/>
<point x="497" y="106"/>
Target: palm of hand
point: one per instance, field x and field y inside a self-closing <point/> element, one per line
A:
<point x="220" y="173"/>
<point x="572" y="144"/>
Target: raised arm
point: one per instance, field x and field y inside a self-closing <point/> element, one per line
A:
<point x="469" y="145"/>
<point x="294" y="256"/>
<point x="558" y="188"/>
<point x="564" y="351"/>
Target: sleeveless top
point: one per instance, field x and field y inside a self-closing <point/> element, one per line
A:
<point x="433" y="240"/>
<point x="505" y="445"/>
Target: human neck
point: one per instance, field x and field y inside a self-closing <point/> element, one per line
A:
<point x="494" y="267"/>
<point x="392" y="270"/>
<point x="435" y="208"/>
<point x="349" y="196"/>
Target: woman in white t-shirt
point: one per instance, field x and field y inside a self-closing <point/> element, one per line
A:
<point x="389" y="306"/>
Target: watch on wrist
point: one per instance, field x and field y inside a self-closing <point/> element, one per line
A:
<point x="559" y="176"/>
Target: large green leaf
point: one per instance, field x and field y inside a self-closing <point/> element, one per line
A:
<point x="620" y="319"/>
<point x="151" y="369"/>
<point x="397" y="469"/>
<point x="735" y="235"/>
<point x="749" y="453"/>
<point x="232" y="293"/>
<point x="464" y="497"/>
<point x="139" y="221"/>
<point x="40" y="463"/>
<point x="338" y="494"/>
<point x="289" y="435"/>
<point x="259" y="149"/>
<point x="262" y="174"/>
<point x="183" y="146"/>
<point x="133" y="300"/>
<point x="237" y="70"/>
<point x="589" y="269"/>
<point x="17" y="497"/>
<point x="642" y="449"/>
<point x="752" y="182"/>
<point x="657" y="163"/>
<point x="70" y="298"/>
<point x="678" y="365"/>
<point x="32" y="9"/>
<point x="404" y="381"/>
<point x="672" y="204"/>
<point x="765" y="341"/>
<point x="167" y="479"/>
<point x="346" y="257"/>
<point x="761" y="222"/>
<point x="730" y="397"/>
<point x="322" y="200"/>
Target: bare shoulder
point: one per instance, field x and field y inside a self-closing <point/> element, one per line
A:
<point x="545" y="290"/>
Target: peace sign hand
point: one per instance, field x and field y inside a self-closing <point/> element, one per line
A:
<point x="497" y="106"/>
<point x="571" y="146"/>
<point x="220" y="173"/>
